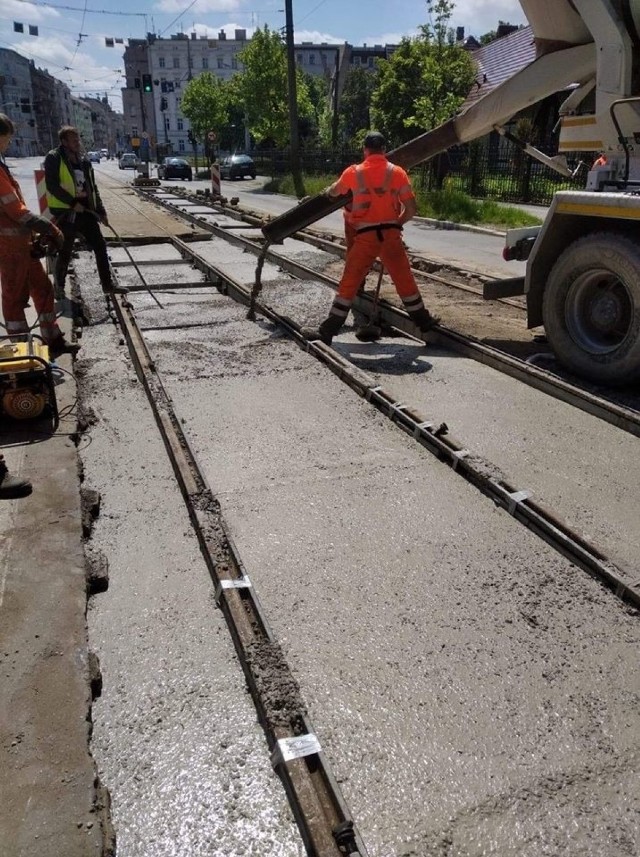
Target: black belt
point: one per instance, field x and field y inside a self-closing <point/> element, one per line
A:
<point x="378" y="228"/>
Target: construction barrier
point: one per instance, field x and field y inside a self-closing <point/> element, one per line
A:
<point x="215" y="179"/>
<point x="41" y="188"/>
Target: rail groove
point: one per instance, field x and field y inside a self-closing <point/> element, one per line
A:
<point x="436" y="439"/>
<point x="321" y="814"/>
<point x="623" y="418"/>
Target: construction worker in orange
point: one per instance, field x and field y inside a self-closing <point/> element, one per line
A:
<point x="21" y="275"/>
<point x="383" y="201"/>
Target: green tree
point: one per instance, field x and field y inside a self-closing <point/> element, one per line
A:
<point x="355" y="102"/>
<point x="205" y="103"/>
<point x="262" y="88"/>
<point x="425" y="81"/>
<point x="318" y="89"/>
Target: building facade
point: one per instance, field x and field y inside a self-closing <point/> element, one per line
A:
<point x="17" y="102"/>
<point x="157" y="70"/>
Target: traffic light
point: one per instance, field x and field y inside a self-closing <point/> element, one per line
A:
<point x="147" y="86"/>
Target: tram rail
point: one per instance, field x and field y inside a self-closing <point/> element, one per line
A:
<point x="625" y="418"/>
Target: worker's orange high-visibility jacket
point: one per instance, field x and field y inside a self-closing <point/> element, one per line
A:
<point x="21" y="276"/>
<point x="379" y="190"/>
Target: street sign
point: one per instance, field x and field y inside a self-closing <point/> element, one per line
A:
<point x="212" y="136"/>
<point x="144" y="135"/>
<point x="135" y="141"/>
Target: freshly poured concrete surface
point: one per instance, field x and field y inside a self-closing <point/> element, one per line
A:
<point x="474" y="692"/>
<point x="175" y="734"/>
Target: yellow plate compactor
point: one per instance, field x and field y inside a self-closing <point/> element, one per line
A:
<point x="26" y="380"/>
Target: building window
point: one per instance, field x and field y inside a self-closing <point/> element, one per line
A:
<point x="323" y="59"/>
<point x="234" y="62"/>
<point x="205" y="62"/>
<point x="356" y="60"/>
<point x="300" y="59"/>
<point x="161" y="62"/>
<point x="132" y="111"/>
<point x="220" y="62"/>
<point x="176" y="62"/>
<point x="134" y="130"/>
<point x="370" y="62"/>
<point x="181" y="145"/>
<point x="180" y="124"/>
<point x="312" y="59"/>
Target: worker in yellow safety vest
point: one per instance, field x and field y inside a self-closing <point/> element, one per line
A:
<point x="75" y="203"/>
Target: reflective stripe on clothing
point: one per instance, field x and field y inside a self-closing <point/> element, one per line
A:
<point x="17" y="326"/>
<point x="379" y="190"/>
<point x="15" y="217"/>
<point x="340" y="307"/>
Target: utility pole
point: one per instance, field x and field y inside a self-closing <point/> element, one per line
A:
<point x="296" y="170"/>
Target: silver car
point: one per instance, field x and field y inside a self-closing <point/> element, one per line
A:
<point x="128" y="161"/>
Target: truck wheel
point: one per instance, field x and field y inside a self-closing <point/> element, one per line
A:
<point x="591" y="308"/>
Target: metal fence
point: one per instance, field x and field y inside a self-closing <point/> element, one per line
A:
<point x="491" y="168"/>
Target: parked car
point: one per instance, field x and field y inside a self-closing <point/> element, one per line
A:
<point x="94" y="157"/>
<point x="128" y="161"/>
<point x="104" y="153"/>
<point x="175" y="168"/>
<point x="237" y="167"/>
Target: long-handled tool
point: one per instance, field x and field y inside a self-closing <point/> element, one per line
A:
<point x="133" y="262"/>
<point x="372" y="331"/>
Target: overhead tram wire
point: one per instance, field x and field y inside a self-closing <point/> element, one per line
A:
<point x="89" y="11"/>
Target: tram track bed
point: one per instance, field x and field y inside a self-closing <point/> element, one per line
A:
<point x="498" y="326"/>
<point x="471" y="688"/>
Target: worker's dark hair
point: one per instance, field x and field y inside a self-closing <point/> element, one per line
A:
<point x="6" y="125"/>
<point x="64" y="132"/>
<point x="375" y="142"/>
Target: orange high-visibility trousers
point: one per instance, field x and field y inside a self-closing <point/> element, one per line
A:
<point x="366" y="247"/>
<point x="21" y="278"/>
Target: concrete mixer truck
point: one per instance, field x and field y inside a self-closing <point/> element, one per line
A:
<point x="582" y="277"/>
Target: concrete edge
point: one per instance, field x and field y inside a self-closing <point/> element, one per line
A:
<point x="53" y="801"/>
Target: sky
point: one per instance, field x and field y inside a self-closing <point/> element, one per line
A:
<point x="70" y="42"/>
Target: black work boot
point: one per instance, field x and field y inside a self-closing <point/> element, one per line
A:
<point x="423" y="319"/>
<point x="326" y="331"/>
<point x="12" y="487"/>
<point x="114" y="289"/>
<point x="60" y="345"/>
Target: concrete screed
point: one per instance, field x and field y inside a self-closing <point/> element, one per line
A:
<point x="473" y="691"/>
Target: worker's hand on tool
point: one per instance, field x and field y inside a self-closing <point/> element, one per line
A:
<point x="56" y="236"/>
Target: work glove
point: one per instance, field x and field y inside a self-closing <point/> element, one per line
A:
<point x="40" y="225"/>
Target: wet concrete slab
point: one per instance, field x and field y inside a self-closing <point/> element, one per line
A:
<point x="458" y="671"/>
